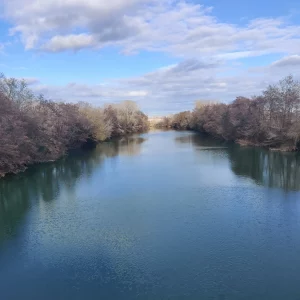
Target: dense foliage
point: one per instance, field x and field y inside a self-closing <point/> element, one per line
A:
<point x="271" y="119"/>
<point x="33" y="129"/>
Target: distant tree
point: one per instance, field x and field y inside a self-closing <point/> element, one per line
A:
<point x="271" y="119"/>
<point x="17" y="90"/>
<point x="182" y="120"/>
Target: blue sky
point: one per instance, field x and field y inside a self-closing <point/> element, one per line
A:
<point x="163" y="54"/>
<point x="240" y="11"/>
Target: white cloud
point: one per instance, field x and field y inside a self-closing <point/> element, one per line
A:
<point x="286" y="65"/>
<point x="39" y="22"/>
<point x="166" y="91"/>
<point x="174" y="87"/>
<point x="178" y="27"/>
<point x="209" y="49"/>
<point x="137" y="93"/>
<point x="288" y="61"/>
<point x="31" y="80"/>
<point x="72" y="41"/>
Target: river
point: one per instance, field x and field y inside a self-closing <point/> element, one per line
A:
<point x="162" y="215"/>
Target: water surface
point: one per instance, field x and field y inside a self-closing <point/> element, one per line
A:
<point x="163" y="215"/>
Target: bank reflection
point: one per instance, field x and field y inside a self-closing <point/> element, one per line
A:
<point x="268" y="168"/>
<point x="201" y="141"/>
<point x="44" y="182"/>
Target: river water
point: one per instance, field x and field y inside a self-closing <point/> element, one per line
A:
<point x="163" y="215"/>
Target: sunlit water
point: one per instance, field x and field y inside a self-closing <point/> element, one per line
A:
<point x="164" y="215"/>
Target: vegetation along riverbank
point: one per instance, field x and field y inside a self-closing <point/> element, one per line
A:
<point x="270" y="120"/>
<point x="34" y="129"/>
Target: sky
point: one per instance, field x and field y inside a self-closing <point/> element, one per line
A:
<point x="163" y="54"/>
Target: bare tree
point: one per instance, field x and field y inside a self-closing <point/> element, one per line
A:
<point x="271" y="119"/>
<point x="17" y="90"/>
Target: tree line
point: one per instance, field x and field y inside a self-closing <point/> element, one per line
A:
<point x="271" y="119"/>
<point x="34" y="129"/>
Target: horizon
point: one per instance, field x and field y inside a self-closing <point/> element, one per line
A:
<point x="165" y="55"/>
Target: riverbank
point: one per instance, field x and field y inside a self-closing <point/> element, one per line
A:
<point x="286" y="147"/>
<point x="270" y="120"/>
<point x="86" y="146"/>
<point x="35" y="130"/>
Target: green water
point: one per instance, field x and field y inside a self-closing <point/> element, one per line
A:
<point x="163" y="215"/>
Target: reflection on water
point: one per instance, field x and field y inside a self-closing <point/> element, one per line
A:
<point x="130" y="146"/>
<point x="200" y="141"/>
<point x="272" y="169"/>
<point x="268" y="168"/>
<point x="44" y="182"/>
<point x="164" y="215"/>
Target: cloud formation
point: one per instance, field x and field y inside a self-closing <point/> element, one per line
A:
<point x="178" y="27"/>
<point x="31" y="81"/>
<point x="167" y="90"/>
<point x="287" y="65"/>
<point x="288" y="61"/>
<point x="175" y="88"/>
<point x="208" y="50"/>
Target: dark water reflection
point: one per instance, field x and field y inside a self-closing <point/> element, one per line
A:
<point x="164" y="215"/>
<point x="272" y="169"/>
<point x="44" y="182"/>
<point x="268" y="168"/>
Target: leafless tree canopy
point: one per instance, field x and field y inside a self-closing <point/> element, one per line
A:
<point x="33" y="129"/>
<point x="271" y="120"/>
